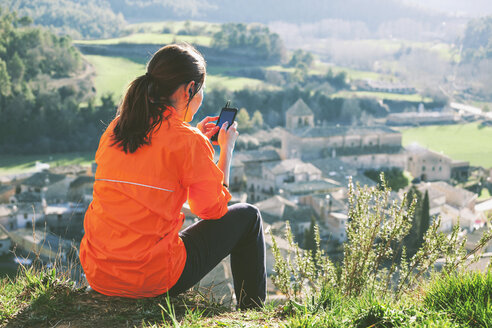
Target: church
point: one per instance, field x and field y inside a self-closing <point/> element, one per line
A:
<point x="365" y="147"/>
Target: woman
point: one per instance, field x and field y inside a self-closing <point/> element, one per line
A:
<point x="149" y="162"/>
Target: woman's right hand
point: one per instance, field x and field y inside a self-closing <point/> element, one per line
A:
<point x="227" y="137"/>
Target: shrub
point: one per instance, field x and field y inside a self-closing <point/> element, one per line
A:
<point x="375" y="259"/>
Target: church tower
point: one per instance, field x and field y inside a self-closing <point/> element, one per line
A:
<point x="299" y="116"/>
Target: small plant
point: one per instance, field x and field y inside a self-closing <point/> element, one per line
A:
<point x="375" y="259"/>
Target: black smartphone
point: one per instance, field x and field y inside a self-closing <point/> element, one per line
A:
<point x="228" y="114"/>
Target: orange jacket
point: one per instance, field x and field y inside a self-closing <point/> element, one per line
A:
<point x="131" y="246"/>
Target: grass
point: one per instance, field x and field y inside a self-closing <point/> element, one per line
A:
<point x="354" y="74"/>
<point x="113" y="74"/>
<point x="151" y="38"/>
<point x="232" y="83"/>
<point x="14" y="164"/>
<point x="466" y="297"/>
<point x="484" y="194"/>
<point x="467" y="142"/>
<point x="47" y="298"/>
<point x="381" y="95"/>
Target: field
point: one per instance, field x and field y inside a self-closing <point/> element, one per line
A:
<point x="15" y="164"/>
<point x="381" y="95"/>
<point x="113" y="74"/>
<point x="152" y="38"/>
<point x="468" y="142"/>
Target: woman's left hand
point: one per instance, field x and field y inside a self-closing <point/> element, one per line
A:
<point x="207" y="128"/>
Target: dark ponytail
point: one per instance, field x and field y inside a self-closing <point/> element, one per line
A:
<point x="145" y="103"/>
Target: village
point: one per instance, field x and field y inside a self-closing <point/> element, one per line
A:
<point x="303" y="179"/>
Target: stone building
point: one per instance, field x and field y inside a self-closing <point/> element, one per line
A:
<point x="428" y="165"/>
<point x="365" y="147"/>
<point x="299" y="115"/>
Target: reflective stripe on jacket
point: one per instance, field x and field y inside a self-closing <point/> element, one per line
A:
<point x="131" y="246"/>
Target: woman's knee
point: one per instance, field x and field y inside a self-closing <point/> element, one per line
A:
<point x="248" y="211"/>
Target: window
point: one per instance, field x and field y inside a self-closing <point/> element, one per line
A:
<point x="423" y="168"/>
<point x="440" y="169"/>
<point x="1" y="245"/>
<point x="433" y="168"/>
<point x="25" y="216"/>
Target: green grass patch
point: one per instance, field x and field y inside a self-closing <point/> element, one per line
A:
<point x="484" y="194"/>
<point x="355" y="74"/>
<point x="232" y="83"/>
<point x="13" y="164"/>
<point x="381" y="95"/>
<point x="151" y="38"/>
<point x="465" y="297"/>
<point x="467" y="142"/>
<point x="113" y="74"/>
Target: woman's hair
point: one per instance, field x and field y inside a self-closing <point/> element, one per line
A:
<point x="148" y="96"/>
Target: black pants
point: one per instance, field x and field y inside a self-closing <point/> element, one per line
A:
<point x="239" y="233"/>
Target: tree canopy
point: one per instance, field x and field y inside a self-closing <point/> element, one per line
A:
<point x="477" y="41"/>
<point x="39" y="102"/>
<point x="77" y="18"/>
<point x="253" y="37"/>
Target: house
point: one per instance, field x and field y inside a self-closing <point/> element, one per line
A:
<point x="342" y="171"/>
<point x="6" y="191"/>
<point x="250" y="169"/>
<point x="237" y="178"/>
<point x="52" y="187"/>
<point x="474" y="237"/>
<point x="385" y="86"/>
<point x="276" y="208"/>
<point x="299" y="115"/>
<point x="365" y="147"/>
<point x="428" y="165"/>
<point x="332" y="213"/>
<point x="7" y="216"/>
<point x="452" y="204"/>
<point x="65" y="219"/>
<point x="80" y="190"/>
<point x="421" y="118"/>
<point x="5" y="243"/>
<point x="41" y="243"/>
<point x="289" y="178"/>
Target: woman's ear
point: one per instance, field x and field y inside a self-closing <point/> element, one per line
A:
<point x="189" y="88"/>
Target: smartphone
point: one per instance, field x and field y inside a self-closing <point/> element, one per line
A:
<point x="228" y="114"/>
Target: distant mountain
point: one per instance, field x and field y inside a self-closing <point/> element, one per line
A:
<point x="372" y="12"/>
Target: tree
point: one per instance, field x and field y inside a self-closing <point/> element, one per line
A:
<point x="4" y="79"/>
<point x="243" y="120"/>
<point x="300" y="56"/>
<point x="257" y="120"/>
<point x="412" y="240"/>
<point x="309" y="236"/>
<point x="16" y="68"/>
<point x="424" y="218"/>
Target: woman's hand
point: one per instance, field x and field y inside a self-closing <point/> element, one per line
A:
<point x="227" y="137"/>
<point x="207" y="128"/>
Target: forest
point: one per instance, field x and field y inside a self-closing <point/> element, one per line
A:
<point x="46" y="109"/>
<point x="38" y="112"/>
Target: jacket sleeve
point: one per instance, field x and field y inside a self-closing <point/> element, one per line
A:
<point x="207" y="196"/>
